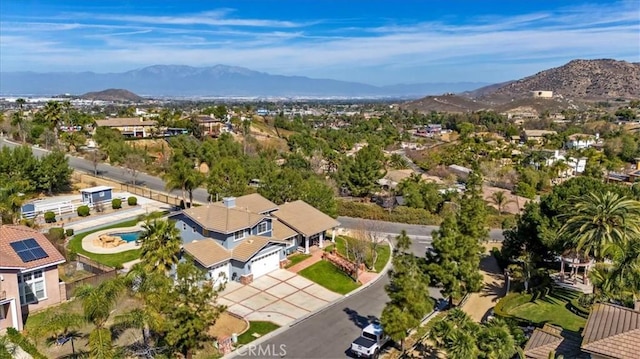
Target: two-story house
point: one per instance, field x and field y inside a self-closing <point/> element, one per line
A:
<point x="28" y="274"/>
<point x="247" y="237"/>
<point x="130" y="126"/>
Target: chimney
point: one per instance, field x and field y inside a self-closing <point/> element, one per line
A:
<point x="229" y="202"/>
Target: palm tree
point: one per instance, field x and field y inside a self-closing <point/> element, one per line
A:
<point x="496" y="341"/>
<point x="177" y="176"/>
<point x="194" y="180"/>
<point x="97" y="305"/>
<point x="462" y="345"/>
<point x="598" y="219"/>
<point x="500" y="200"/>
<point x="160" y="245"/>
<point x="18" y="120"/>
<point x="53" y="115"/>
<point x="60" y="327"/>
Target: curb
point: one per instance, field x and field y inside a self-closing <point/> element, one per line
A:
<point x="313" y="314"/>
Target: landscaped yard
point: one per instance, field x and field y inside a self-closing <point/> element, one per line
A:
<point x="297" y="258"/>
<point x="113" y="260"/>
<point x="330" y="277"/>
<point x="259" y="328"/>
<point x="383" y="250"/>
<point x="550" y="309"/>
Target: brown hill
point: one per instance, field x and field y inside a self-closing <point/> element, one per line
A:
<point x="578" y="80"/>
<point x="445" y="103"/>
<point x="116" y="95"/>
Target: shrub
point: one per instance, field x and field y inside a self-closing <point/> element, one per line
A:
<point x="83" y="211"/>
<point x="576" y="307"/>
<point x="132" y="201"/>
<point x="24" y="343"/>
<point x="72" y="256"/>
<point x="400" y="214"/>
<point x="49" y="217"/>
<point x="116" y="203"/>
<point x="56" y="234"/>
<point x="69" y="232"/>
<point x="509" y="302"/>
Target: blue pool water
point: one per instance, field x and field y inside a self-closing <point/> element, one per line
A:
<point x="128" y="237"/>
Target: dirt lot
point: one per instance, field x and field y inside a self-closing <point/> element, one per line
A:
<point x="226" y="325"/>
<point x="515" y="204"/>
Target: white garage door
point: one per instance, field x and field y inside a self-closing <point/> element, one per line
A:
<point x="219" y="274"/>
<point x="265" y="264"/>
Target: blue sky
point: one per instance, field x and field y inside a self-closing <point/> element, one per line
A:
<point x="377" y="42"/>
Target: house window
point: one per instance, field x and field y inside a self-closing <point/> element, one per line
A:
<point x="4" y="308"/>
<point x="262" y="227"/>
<point x="101" y="194"/>
<point x="32" y="287"/>
<point x="184" y="226"/>
<point x="193" y="229"/>
<point x="238" y="235"/>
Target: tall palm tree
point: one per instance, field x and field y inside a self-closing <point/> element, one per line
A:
<point x="53" y="115"/>
<point x="598" y="219"/>
<point x="18" y="120"/>
<point x="500" y="200"/>
<point x="178" y="176"/>
<point x="194" y="180"/>
<point x="160" y="245"/>
<point x="97" y="305"/>
<point x="496" y="341"/>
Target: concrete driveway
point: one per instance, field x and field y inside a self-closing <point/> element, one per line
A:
<point x="280" y="297"/>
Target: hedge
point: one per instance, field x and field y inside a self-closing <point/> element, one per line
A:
<point x="69" y="232"/>
<point x="49" y="217"/>
<point x="132" y="201"/>
<point x="510" y="301"/>
<point x="399" y="214"/>
<point x="24" y="343"/>
<point x="56" y="234"/>
<point x="116" y="203"/>
<point x="576" y="308"/>
<point x="83" y="211"/>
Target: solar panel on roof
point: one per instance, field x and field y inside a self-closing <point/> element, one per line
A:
<point x="28" y="250"/>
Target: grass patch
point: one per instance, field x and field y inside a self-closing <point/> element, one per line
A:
<point x="384" y="253"/>
<point x="297" y="258"/>
<point x="113" y="260"/>
<point x="257" y="327"/>
<point x="551" y="309"/>
<point x="330" y="277"/>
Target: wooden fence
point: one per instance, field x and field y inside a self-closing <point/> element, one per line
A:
<point x="100" y="273"/>
<point x="125" y="187"/>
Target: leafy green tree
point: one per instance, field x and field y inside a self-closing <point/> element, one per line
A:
<point x="403" y="242"/>
<point x="227" y="177"/>
<point x="190" y="310"/>
<point x="454" y="262"/>
<point x="472" y="216"/>
<point x="360" y="174"/>
<point x="54" y="173"/>
<point x="397" y="322"/>
<point x="160" y="245"/>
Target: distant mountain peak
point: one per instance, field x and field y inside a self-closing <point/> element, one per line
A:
<point x="117" y="95"/>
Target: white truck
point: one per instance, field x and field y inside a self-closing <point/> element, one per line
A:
<point x="370" y="342"/>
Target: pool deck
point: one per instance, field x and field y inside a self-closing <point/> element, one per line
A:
<point x="87" y="242"/>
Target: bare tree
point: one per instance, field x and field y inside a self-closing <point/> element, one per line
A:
<point x="133" y="162"/>
<point x="96" y="156"/>
<point x="357" y="246"/>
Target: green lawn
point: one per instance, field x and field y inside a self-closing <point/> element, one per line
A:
<point x="551" y="309"/>
<point x="113" y="260"/>
<point x="330" y="277"/>
<point x="297" y="258"/>
<point x="257" y="327"/>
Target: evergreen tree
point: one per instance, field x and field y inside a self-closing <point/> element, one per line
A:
<point x="472" y="216"/>
<point x="360" y="174"/>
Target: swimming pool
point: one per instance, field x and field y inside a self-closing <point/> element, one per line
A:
<point x="129" y="236"/>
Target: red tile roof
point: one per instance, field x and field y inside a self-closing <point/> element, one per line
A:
<point x="9" y="258"/>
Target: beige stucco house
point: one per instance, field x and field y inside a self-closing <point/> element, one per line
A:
<point x="28" y="274"/>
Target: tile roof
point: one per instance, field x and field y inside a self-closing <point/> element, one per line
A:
<point x="281" y="231"/>
<point x="254" y="203"/>
<point x="612" y="331"/>
<point x="9" y="258"/>
<point x="125" y="121"/>
<point x="207" y="252"/>
<point x="221" y="219"/>
<point x="551" y="338"/>
<point x="250" y="246"/>
<point x="304" y="218"/>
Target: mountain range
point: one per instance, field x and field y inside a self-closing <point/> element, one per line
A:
<point x="214" y="81"/>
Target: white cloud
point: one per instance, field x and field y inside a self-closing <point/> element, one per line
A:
<point x="524" y="41"/>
